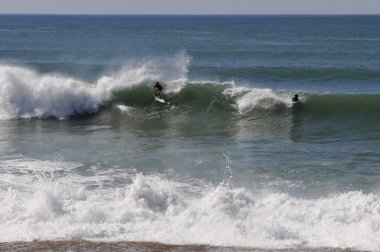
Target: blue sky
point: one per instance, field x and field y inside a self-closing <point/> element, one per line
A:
<point x="191" y="6"/>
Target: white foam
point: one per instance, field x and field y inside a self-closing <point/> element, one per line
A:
<point x="24" y="93"/>
<point x="248" y="99"/>
<point x="152" y="208"/>
<point x="124" y="108"/>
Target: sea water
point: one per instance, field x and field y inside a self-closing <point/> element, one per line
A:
<point x="86" y="153"/>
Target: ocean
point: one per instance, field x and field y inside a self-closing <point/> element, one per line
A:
<point x="228" y="163"/>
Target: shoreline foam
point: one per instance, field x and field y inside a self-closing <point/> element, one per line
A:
<point x="85" y="245"/>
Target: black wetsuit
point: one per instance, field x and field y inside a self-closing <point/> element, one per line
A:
<point x="157" y="89"/>
<point x="295" y="98"/>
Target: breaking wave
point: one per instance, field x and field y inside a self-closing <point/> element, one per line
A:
<point x="25" y="93"/>
<point x="49" y="201"/>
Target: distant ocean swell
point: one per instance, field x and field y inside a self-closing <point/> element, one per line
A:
<point x="49" y="201"/>
<point x="26" y="93"/>
<point x="296" y="74"/>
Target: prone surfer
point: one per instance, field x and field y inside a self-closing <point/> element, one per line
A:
<point x="157" y="89"/>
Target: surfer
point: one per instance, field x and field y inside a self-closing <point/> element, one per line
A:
<point x="295" y="98"/>
<point x="157" y="89"/>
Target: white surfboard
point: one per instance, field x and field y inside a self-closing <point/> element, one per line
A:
<point x="156" y="98"/>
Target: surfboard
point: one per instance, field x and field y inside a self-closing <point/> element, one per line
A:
<point x="156" y="98"/>
<point x="297" y="102"/>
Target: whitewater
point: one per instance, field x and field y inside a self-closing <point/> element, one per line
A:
<point x="229" y="162"/>
<point x="151" y="208"/>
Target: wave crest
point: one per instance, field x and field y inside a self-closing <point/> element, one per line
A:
<point x="25" y="93"/>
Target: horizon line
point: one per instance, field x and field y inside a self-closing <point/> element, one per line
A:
<point x="195" y="14"/>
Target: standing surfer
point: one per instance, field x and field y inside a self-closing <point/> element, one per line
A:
<point x="157" y="89"/>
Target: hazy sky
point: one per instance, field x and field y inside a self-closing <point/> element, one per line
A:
<point x="191" y="6"/>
